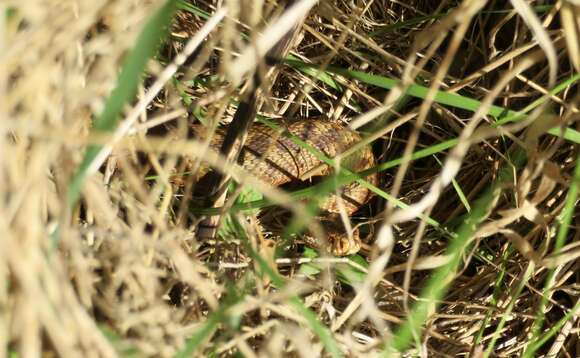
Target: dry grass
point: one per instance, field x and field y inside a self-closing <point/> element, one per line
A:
<point x="477" y="256"/>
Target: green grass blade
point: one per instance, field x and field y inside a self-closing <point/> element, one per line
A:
<point x="541" y="340"/>
<point x="561" y="237"/>
<point x="184" y="5"/>
<point x="330" y="184"/>
<point x="220" y="315"/>
<point x="502" y="115"/>
<point x="509" y="309"/>
<point x="458" y="190"/>
<point x="420" y="19"/>
<point x="322" y="76"/>
<point x="206" y="330"/>
<point x="149" y="40"/>
<point x="318" y="328"/>
<point x="498" y="290"/>
<point x="436" y="286"/>
<point x="520" y="115"/>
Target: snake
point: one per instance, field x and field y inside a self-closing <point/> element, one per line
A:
<point x="279" y="159"/>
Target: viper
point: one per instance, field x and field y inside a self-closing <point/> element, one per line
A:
<point x="277" y="159"/>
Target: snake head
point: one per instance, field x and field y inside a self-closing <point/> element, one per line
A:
<point x="338" y="241"/>
<point x="343" y="244"/>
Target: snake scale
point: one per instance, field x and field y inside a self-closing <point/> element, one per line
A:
<point x="277" y="159"/>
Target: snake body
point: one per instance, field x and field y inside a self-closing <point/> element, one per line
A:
<point x="276" y="159"/>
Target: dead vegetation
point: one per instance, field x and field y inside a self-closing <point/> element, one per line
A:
<point x="472" y="111"/>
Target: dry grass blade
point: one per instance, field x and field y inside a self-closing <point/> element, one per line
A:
<point x="570" y="14"/>
<point x="247" y="60"/>
<point x="526" y="12"/>
<point x="126" y="125"/>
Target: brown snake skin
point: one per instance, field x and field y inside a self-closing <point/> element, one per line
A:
<point x="277" y="160"/>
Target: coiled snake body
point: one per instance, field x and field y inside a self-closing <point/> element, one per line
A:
<point x="277" y="159"/>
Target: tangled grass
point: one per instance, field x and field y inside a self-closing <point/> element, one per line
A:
<point x="471" y="240"/>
